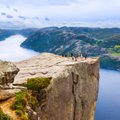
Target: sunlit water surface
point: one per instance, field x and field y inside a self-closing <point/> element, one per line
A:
<point x="10" y="49"/>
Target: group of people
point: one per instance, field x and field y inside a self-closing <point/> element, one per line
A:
<point x="75" y="56"/>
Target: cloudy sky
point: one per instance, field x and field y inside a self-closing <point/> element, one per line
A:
<point x="42" y="13"/>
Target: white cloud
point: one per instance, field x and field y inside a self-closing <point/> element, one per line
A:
<point x="90" y="11"/>
<point x="36" y="2"/>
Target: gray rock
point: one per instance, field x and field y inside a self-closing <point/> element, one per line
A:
<point x="32" y="115"/>
<point x="6" y="94"/>
<point x="73" y="91"/>
<point x="7" y="72"/>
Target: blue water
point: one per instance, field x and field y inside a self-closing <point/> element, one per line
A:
<point x="108" y="105"/>
<point x="10" y="49"/>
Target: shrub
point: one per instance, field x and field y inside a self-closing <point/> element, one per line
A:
<point x="117" y="48"/>
<point x="20" y="102"/>
<point x="24" y="117"/>
<point x="4" y="116"/>
<point x="37" y="84"/>
<point x="24" y="98"/>
<point x="32" y="101"/>
<point x="20" y="105"/>
<point x="19" y="112"/>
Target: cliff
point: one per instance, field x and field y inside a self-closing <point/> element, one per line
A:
<point x="73" y="91"/>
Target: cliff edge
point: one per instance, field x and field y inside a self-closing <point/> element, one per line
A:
<point x="73" y="89"/>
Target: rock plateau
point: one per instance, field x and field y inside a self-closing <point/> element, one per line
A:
<point x="73" y="91"/>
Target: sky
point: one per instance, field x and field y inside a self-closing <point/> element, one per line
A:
<point x="43" y="13"/>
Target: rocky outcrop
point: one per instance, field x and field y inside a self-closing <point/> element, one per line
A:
<point x="73" y="91"/>
<point x="6" y="94"/>
<point x="7" y="73"/>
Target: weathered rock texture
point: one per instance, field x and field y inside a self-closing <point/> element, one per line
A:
<point x="6" y="94"/>
<point x="7" y="72"/>
<point x="73" y="91"/>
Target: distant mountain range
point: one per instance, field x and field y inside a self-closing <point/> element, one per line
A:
<point x="5" y="33"/>
<point x="65" y="40"/>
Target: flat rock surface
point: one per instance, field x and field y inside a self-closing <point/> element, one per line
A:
<point x="46" y="65"/>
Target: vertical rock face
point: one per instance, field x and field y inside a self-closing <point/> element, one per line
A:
<point x="73" y="91"/>
<point x="7" y="72"/>
<point x="73" y="94"/>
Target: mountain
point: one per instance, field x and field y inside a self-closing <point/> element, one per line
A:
<point x="90" y="41"/>
<point x="5" y="33"/>
<point x="62" y="41"/>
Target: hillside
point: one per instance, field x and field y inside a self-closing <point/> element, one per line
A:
<point x="91" y="41"/>
<point x="5" y="33"/>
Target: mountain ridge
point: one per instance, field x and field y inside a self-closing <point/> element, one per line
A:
<point x="91" y="41"/>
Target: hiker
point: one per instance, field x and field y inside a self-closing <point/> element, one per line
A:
<point x="75" y="57"/>
<point x="65" y="55"/>
<point x="81" y="55"/>
<point x="72" y="56"/>
<point x="85" y="56"/>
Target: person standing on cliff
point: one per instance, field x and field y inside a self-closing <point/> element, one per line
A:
<point x="85" y="56"/>
<point x="72" y="56"/>
<point x="75" y="57"/>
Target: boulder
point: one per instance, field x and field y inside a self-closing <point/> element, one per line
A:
<point x="6" y="94"/>
<point x="8" y="71"/>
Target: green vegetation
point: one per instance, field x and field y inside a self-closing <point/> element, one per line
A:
<point x="19" y="112"/>
<point x="4" y="116"/>
<point x="20" y="104"/>
<point x="109" y="63"/>
<point x="32" y="97"/>
<point x="117" y="48"/>
<point x="115" y="54"/>
<point x="37" y="84"/>
<point x="23" y="98"/>
<point x="32" y="101"/>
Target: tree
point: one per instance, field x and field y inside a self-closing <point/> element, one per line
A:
<point x="117" y="48"/>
